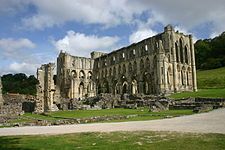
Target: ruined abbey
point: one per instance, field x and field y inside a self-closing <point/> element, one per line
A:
<point x="158" y="65"/>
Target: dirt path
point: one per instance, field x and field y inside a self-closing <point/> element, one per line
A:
<point x="211" y="122"/>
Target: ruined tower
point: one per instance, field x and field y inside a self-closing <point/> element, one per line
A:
<point x="74" y="76"/>
<point x="46" y="88"/>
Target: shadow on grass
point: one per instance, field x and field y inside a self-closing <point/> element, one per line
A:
<point x="11" y="143"/>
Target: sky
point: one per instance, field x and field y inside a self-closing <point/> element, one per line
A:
<point x="33" y="32"/>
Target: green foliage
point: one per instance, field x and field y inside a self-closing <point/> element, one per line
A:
<point x="143" y="140"/>
<point x="210" y="53"/>
<point x="19" y="83"/>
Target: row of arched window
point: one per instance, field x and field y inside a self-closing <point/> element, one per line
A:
<point x="82" y="74"/>
<point x="182" y="54"/>
<point x="120" y="56"/>
<point x="123" y="68"/>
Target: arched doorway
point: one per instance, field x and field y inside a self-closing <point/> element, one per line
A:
<point x="81" y="90"/>
<point x="134" y="87"/>
<point x="124" y="89"/>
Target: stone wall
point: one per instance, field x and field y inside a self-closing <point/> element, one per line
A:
<point x="11" y="109"/>
<point x="1" y="98"/>
<point x="45" y="89"/>
<point x="161" y="64"/>
<point x="74" y="76"/>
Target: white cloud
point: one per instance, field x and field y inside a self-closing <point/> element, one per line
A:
<point x="19" y="55"/>
<point x="27" y="68"/>
<point x="10" y="45"/>
<point x="80" y="44"/>
<point x="188" y="14"/>
<point x="104" y="12"/>
<point x="141" y="35"/>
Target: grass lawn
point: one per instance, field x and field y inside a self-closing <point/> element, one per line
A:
<point x="136" y="115"/>
<point x="211" y="84"/>
<point x="207" y="93"/>
<point x="113" y="112"/>
<point x="116" y="140"/>
<point x="208" y="79"/>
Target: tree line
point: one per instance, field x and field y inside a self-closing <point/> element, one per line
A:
<point x="210" y="53"/>
<point x="19" y="83"/>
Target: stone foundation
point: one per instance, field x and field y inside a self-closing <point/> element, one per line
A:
<point x="11" y="109"/>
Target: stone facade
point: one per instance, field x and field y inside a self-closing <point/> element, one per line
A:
<point x="1" y="98"/>
<point x="158" y="65"/>
<point x="74" y="76"/>
<point x="45" y="89"/>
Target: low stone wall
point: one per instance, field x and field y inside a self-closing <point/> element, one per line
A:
<point x="11" y="109"/>
<point x="198" y="104"/>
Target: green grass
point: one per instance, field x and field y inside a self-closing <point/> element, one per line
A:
<point x="206" y="93"/>
<point x="208" y="79"/>
<point x="142" y="113"/>
<point x="137" y="115"/>
<point x="143" y="140"/>
<point x="211" y="84"/>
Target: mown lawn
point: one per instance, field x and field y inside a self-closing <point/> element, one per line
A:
<point x="206" y="93"/>
<point x="113" y="112"/>
<point x="208" y="79"/>
<point x="143" y="140"/>
<point x="211" y="84"/>
<point x="135" y="115"/>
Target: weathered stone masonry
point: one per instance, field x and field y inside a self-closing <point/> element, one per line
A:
<point x="1" y="98"/>
<point x="161" y="64"/>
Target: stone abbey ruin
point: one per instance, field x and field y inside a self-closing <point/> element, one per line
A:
<point x="158" y="65"/>
<point x="127" y="77"/>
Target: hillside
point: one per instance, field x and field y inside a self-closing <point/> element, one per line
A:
<point x="211" y="84"/>
<point x="214" y="78"/>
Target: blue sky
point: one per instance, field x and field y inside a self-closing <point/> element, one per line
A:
<point x="32" y="32"/>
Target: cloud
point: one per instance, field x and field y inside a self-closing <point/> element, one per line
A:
<point x="188" y="14"/>
<point x="11" y="46"/>
<point x="19" y="55"/>
<point x="80" y="44"/>
<point x="27" y="68"/>
<point x="12" y="6"/>
<point x="103" y="12"/>
<point x="140" y="35"/>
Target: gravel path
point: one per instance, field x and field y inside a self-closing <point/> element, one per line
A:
<point x="211" y="122"/>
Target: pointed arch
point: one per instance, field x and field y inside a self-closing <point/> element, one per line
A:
<point x="82" y="74"/>
<point x="134" y="87"/>
<point x="135" y="66"/>
<point x="81" y="90"/>
<point x="147" y="62"/>
<point x="181" y="51"/>
<point x="142" y="63"/>
<point x="89" y="75"/>
<point x="177" y="52"/>
<point x="130" y="68"/>
<point x="186" y="54"/>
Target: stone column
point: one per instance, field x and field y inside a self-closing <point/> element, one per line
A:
<point x="175" y="78"/>
<point x="194" y="80"/>
<point x="1" y="99"/>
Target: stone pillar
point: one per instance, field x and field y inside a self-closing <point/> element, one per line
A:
<point x="194" y="80"/>
<point x="1" y="98"/>
<point x="174" y="61"/>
